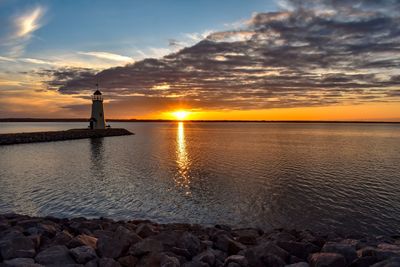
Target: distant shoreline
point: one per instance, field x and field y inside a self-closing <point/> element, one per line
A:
<point x="210" y="121"/>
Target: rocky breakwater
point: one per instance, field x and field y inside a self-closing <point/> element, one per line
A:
<point x="19" y="138"/>
<point x="31" y="241"/>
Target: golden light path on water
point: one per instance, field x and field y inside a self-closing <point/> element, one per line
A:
<point x="182" y="180"/>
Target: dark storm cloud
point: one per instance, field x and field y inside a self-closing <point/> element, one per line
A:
<point x="312" y="53"/>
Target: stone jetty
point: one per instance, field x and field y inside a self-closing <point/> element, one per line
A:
<point x="49" y="241"/>
<point x="19" y="138"/>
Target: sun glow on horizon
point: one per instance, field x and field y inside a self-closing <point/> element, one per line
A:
<point x="181" y="114"/>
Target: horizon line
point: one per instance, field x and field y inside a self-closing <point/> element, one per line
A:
<point x="396" y="121"/>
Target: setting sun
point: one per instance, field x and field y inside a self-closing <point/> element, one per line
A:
<point x="180" y="114"/>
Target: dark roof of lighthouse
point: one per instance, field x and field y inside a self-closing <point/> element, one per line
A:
<point x="97" y="92"/>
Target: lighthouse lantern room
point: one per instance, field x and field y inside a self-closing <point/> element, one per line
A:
<point x="97" y="120"/>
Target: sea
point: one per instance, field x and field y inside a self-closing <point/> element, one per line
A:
<point x="342" y="177"/>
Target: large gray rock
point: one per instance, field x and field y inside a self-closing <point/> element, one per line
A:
<point x="128" y="261"/>
<point x="168" y="261"/>
<point x="298" y="264"/>
<point x="299" y="249"/>
<point x="78" y="241"/>
<point x="56" y="255"/>
<point x="146" y="246"/>
<point x="15" y="245"/>
<point x="246" y="236"/>
<point x="145" y="230"/>
<point x="347" y="251"/>
<point x="108" y="262"/>
<point x="21" y="262"/>
<point x="149" y="260"/>
<point x="364" y="261"/>
<point x="393" y="262"/>
<point x="266" y="253"/>
<point x="83" y="254"/>
<point x="227" y="244"/>
<point x="206" y="256"/>
<point x="195" y="264"/>
<point x="117" y="245"/>
<point x="380" y="254"/>
<point x="238" y="259"/>
<point x="190" y="242"/>
<point x="326" y="259"/>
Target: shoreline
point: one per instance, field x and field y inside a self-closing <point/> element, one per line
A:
<point x="51" y="136"/>
<point x="50" y="241"/>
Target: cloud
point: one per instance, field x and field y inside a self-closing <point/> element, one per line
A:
<point x="108" y="56"/>
<point x="22" y="28"/>
<point x="37" y="61"/>
<point x="7" y="59"/>
<point x="29" y="22"/>
<point x="310" y="53"/>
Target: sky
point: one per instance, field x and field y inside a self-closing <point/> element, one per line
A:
<point x="227" y="59"/>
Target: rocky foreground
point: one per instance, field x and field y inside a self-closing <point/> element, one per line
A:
<point x="31" y="241"/>
<point x="51" y="136"/>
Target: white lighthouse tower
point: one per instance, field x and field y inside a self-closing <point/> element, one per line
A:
<point x="97" y="120"/>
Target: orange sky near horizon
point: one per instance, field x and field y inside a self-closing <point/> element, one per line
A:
<point x="362" y="112"/>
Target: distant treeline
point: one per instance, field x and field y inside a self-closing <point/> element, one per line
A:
<point x="161" y="120"/>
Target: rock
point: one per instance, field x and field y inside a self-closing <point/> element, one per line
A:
<point x="83" y="240"/>
<point x="114" y="247"/>
<point x="43" y="229"/>
<point x="181" y="252"/>
<point x="36" y="239"/>
<point x="169" y="238"/>
<point x="273" y="260"/>
<point x="259" y="255"/>
<point x="128" y="261"/>
<point x="16" y="245"/>
<point x="83" y="254"/>
<point x="357" y="244"/>
<point x="190" y="242"/>
<point x="145" y="230"/>
<point x="195" y="264"/>
<point x="61" y="238"/>
<point x="238" y="259"/>
<point x="326" y="259"/>
<point x="298" y="264"/>
<point x="108" y="262"/>
<point x="294" y="259"/>
<point x="102" y="233"/>
<point x="20" y="262"/>
<point x="150" y="260"/>
<point x="206" y="256"/>
<point x="227" y="244"/>
<point x="298" y="249"/>
<point x="364" y="262"/>
<point x="167" y="261"/>
<point x="246" y="236"/>
<point x="146" y="246"/>
<point x="393" y="262"/>
<point x="366" y="251"/>
<point x="347" y="251"/>
<point x="92" y="263"/>
<point x="379" y="253"/>
<point x="54" y="255"/>
<point x="307" y="236"/>
<point x="280" y="235"/>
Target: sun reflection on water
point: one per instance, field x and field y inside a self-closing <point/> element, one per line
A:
<point x="182" y="179"/>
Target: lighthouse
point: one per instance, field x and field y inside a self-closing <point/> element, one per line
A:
<point x="97" y="120"/>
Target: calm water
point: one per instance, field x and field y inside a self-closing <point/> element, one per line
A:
<point x="343" y="177"/>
